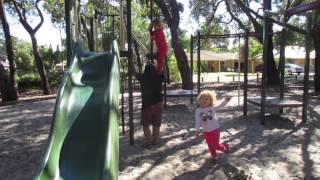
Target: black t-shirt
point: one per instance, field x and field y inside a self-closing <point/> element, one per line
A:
<point x="151" y="89"/>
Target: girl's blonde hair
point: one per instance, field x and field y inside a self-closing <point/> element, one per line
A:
<point x="206" y="93"/>
<point x="158" y="22"/>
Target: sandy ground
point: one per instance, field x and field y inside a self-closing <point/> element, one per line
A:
<point x="283" y="148"/>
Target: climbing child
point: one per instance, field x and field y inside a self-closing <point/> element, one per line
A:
<point x="157" y="34"/>
<point x="206" y="117"/>
<point x="151" y="93"/>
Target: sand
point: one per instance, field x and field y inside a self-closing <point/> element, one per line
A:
<point x="283" y="148"/>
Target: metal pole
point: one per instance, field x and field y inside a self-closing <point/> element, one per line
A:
<point x="151" y="18"/>
<point x="245" y="88"/>
<point x="265" y="65"/>
<point x="198" y="60"/>
<point x="68" y="31"/>
<point x="306" y="70"/>
<point x="122" y="107"/>
<point x="282" y="64"/>
<point x="191" y="67"/>
<point x="122" y="29"/>
<point x="130" y="66"/>
<point x="239" y="63"/>
<point x="165" y="86"/>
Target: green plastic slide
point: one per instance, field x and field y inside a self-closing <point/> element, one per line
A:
<point x="84" y="139"/>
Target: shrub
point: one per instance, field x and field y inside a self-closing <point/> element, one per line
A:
<point x="28" y="81"/>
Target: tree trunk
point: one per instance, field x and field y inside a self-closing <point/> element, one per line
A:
<point x="272" y="73"/>
<point x="172" y="18"/>
<point x="316" y="41"/>
<point x="182" y="60"/>
<point x="3" y="84"/>
<point x="40" y="66"/>
<point x="12" y="87"/>
<point x="20" y="9"/>
<point x="89" y="31"/>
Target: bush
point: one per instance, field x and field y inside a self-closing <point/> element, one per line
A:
<point x="29" y="81"/>
<point x="173" y="70"/>
<point x="55" y="78"/>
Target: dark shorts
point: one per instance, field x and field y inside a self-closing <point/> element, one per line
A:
<point x="152" y="115"/>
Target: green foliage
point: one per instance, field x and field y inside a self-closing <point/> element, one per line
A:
<point x="3" y="51"/>
<point x="173" y="68"/>
<point x="31" y="80"/>
<point x="185" y="39"/>
<point x="255" y="49"/>
<point x="50" y="58"/>
<point x="56" y="9"/>
<point x="55" y="78"/>
<point x="28" y="81"/>
<point x="23" y="55"/>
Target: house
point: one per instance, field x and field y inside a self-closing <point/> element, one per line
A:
<point x="296" y="55"/>
<point x="221" y="62"/>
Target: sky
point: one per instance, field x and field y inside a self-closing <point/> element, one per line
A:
<point x="48" y="34"/>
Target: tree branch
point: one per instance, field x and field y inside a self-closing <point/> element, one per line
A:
<point x="234" y="17"/>
<point x="164" y="9"/>
<point x="248" y="11"/>
<point x="41" y="17"/>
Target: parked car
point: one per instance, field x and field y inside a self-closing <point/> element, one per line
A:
<point x="288" y="68"/>
<point x="293" y="68"/>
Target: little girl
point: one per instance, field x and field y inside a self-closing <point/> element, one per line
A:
<point x="206" y="117"/>
<point x="157" y="34"/>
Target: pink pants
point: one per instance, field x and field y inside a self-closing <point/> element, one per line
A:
<point x="212" y="139"/>
<point x="161" y="55"/>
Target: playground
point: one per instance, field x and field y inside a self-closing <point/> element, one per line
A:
<point x="125" y="73"/>
<point x="283" y="148"/>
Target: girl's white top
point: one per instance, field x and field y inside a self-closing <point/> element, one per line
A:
<point x="207" y="118"/>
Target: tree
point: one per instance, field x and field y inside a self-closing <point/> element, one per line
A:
<point x="246" y="19"/>
<point x="12" y="87"/>
<point x="24" y="9"/>
<point x="23" y="55"/>
<point x="170" y="10"/>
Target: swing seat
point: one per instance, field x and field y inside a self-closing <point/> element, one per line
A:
<point x="275" y="102"/>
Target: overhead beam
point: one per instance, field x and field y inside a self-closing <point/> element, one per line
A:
<point x="303" y="8"/>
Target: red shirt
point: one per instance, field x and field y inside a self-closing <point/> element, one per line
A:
<point x="160" y="39"/>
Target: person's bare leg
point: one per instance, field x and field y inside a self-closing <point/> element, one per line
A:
<point x="156" y="135"/>
<point x="147" y="135"/>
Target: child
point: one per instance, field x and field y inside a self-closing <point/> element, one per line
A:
<point x="157" y="34"/>
<point x="151" y="88"/>
<point x="206" y="117"/>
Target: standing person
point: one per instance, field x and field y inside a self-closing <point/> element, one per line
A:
<point x="157" y="34"/>
<point x="206" y="117"/>
<point x="152" y="106"/>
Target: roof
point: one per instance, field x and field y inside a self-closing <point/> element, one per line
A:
<point x="213" y="56"/>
